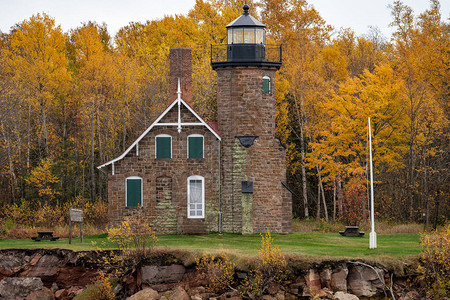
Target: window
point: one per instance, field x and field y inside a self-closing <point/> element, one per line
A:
<point x="196" y="197"/>
<point x="266" y="85"/>
<point x="163" y="146"/>
<point x="133" y="191"/>
<point x="195" y="146"/>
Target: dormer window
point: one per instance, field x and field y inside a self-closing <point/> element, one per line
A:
<point x="163" y="146"/>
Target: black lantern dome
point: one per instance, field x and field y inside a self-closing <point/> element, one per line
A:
<point x="246" y="30"/>
<point x="246" y="45"/>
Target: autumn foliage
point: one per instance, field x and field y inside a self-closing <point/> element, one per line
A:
<point x="72" y="100"/>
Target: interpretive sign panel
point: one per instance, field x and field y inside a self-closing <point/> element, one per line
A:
<point x="75" y="215"/>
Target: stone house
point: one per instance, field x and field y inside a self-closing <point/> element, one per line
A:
<point x="190" y="176"/>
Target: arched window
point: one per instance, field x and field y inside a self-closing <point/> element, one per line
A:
<point x="266" y="85"/>
<point x="133" y="191"/>
<point x="195" y="146"/>
<point x="163" y="146"/>
<point x="196" y="197"/>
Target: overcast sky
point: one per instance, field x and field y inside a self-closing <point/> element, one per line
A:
<point x="356" y="14"/>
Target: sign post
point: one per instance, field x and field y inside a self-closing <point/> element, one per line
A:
<point x="75" y="215"/>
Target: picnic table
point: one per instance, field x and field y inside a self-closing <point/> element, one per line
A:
<point x="351" y="231"/>
<point x="45" y="235"/>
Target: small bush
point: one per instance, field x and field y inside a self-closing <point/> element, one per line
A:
<point x="218" y="272"/>
<point x="101" y="289"/>
<point x="271" y="268"/>
<point x="435" y="263"/>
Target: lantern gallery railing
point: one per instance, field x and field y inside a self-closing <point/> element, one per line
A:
<point x="245" y="53"/>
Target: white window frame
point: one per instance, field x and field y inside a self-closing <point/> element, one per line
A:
<point x="156" y="143"/>
<point x="203" y="143"/>
<point x="270" y="83"/>
<point x="126" y="190"/>
<point x="195" y="177"/>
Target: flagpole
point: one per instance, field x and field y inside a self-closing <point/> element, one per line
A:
<point x="373" y="235"/>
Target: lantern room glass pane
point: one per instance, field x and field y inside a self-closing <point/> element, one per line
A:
<point x="249" y="35"/>
<point x="259" y="32"/>
<point x="230" y="35"/>
<point x="238" y="35"/>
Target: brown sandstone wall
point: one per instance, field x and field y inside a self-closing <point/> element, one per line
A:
<point x="243" y="110"/>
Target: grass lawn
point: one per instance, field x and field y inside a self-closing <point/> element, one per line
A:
<point x="323" y="245"/>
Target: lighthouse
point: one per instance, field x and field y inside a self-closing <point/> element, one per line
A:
<point x="254" y="194"/>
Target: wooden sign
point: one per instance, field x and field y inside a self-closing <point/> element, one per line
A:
<point x="75" y="215"/>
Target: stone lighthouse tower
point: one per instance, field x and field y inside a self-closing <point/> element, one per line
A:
<point x="254" y="196"/>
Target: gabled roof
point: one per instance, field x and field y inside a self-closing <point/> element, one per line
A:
<point x="179" y="124"/>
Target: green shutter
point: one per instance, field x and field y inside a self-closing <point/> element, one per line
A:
<point x="134" y="192"/>
<point x="163" y="147"/>
<point x="266" y="85"/>
<point x="195" y="147"/>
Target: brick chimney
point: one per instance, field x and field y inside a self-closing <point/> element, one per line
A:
<point x="181" y="67"/>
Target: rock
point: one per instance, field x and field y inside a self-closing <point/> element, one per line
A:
<point x="179" y="294"/>
<point x="363" y="281"/>
<point x="44" y="294"/>
<point x="49" y="261"/>
<point x="280" y="295"/>
<point x="35" y="259"/>
<point x="55" y="287"/>
<point x="75" y="290"/>
<point x="117" y="289"/>
<point x="344" y="296"/>
<point x="162" y="274"/>
<point x="325" y="278"/>
<point x="338" y="280"/>
<point x="313" y="280"/>
<point x="268" y="297"/>
<point x="19" y="288"/>
<point x="61" y="294"/>
<point x="146" y="294"/>
<point x="10" y="265"/>
<point x="412" y="295"/>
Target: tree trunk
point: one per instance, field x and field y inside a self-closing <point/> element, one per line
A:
<point x="10" y="162"/>
<point x="334" y="200"/>
<point x="325" y="209"/>
<point x="44" y="127"/>
<point x="93" y="193"/>
<point x="302" y="150"/>
<point x="318" y="202"/>
<point x="339" y="196"/>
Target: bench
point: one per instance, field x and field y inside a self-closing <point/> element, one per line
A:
<point x="45" y="235"/>
<point x="351" y="231"/>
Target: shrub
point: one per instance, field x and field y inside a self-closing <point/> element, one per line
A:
<point x="271" y="268"/>
<point x="101" y="289"/>
<point x="134" y="237"/>
<point x="218" y="272"/>
<point x="435" y="263"/>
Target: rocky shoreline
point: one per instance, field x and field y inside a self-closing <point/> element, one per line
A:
<point x="62" y="274"/>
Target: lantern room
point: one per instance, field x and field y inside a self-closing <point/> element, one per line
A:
<point x="245" y="37"/>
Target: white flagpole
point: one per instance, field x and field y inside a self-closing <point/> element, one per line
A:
<point x="373" y="235"/>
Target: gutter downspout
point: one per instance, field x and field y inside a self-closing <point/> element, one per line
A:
<point x="220" y="199"/>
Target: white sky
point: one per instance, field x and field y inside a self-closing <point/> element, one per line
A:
<point x="356" y="14"/>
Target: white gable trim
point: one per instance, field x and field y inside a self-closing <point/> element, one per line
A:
<point x="179" y="125"/>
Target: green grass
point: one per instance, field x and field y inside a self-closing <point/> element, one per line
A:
<point x="324" y="245"/>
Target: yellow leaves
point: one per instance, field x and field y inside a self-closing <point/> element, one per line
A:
<point x="44" y="180"/>
<point x="435" y="264"/>
<point x="218" y="272"/>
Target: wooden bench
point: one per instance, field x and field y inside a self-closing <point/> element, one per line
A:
<point x="351" y="231"/>
<point x="45" y="235"/>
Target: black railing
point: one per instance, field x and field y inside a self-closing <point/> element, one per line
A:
<point x="263" y="53"/>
